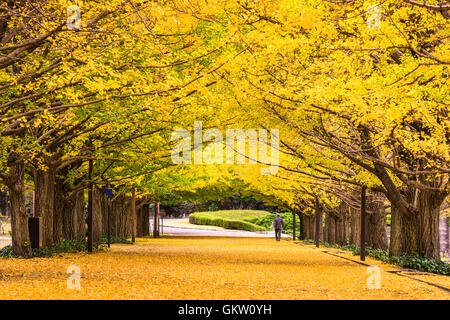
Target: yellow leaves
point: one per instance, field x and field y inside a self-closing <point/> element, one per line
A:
<point x="209" y="268"/>
<point x="37" y="123"/>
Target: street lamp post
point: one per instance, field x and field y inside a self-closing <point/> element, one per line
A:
<point x="363" y="224"/>
<point x="109" y="194"/>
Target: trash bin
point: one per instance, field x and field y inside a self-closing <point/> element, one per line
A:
<point x="35" y="231"/>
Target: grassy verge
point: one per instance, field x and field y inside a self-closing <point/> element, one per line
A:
<point x="411" y="261"/>
<point x="230" y="219"/>
<point x="266" y="221"/>
<point x="66" y="246"/>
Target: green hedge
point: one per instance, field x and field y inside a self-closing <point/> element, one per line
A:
<point x="248" y="220"/>
<point x="267" y="220"/>
<point x="209" y="218"/>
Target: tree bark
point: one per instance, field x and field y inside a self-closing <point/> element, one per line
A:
<point x="145" y="220"/>
<point x="404" y="233"/>
<point x="44" y="184"/>
<point x="340" y="226"/>
<point x="97" y="214"/>
<point x="139" y="226"/>
<point x="60" y="205"/>
<point x="332" y="228"/>
<point x="342" y="223"/>
<point x="428" y="206"/>
<point x="417" y="231"/>
<point x="120" y="217"/>
<point x="74" y="220"/>
<point x="311" y="227"/>
<point x="302" y="226"/>
<point x="376" y="236"/>
<point x="326" y="228"/>
<point x="19" y="219"/>
<point x="355" y="227"/>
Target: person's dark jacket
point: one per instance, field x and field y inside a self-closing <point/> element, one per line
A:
<point x="278" y="223"/>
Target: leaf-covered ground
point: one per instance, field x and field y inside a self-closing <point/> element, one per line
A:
<point x="210" y="268"/>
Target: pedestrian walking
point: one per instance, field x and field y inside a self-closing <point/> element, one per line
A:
<point x="278" y="224"/>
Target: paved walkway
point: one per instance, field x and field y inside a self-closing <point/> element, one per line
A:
<point x="215" y="268"/>
<point x="177" y="227"/>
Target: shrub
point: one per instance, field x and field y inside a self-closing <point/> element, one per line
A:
<point x="266" y="221"/>
<point x="7" y="252"/>
<point x="115" y="239"/>
<point x="221" y="219"/>
<point x="421" y="263"/>
<point x="412" y="261"/>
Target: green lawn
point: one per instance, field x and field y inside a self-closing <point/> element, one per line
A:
<point x="230" y="219"/>
<point x="249" y="220"/>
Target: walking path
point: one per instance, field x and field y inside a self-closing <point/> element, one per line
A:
<point x="181" y="227"/>
<point x="215" y="268"/>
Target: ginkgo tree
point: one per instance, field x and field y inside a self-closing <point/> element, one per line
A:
<point x="375" y="94"/>
<point x="69" y="96"/>
<point x="358" y="92"/>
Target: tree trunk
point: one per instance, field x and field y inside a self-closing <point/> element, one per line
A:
<point x="302" y="226"/>
<point x="60" y="205"/>
<point x="311" y="227"/>
<point x="306" y="226"/>
<point x="3" y="202"/>
<point x="355" y="227"/>
<point x="19" y="219"/>
<point x="376" y="236"/>
<point x="155" y="222"/>
<point x="74" y="220"/>
<point x="428" y="206"/>
<point x="139" y="229"/>
<point x="332" y="229"/>
<point x="404" y="233"/>
<point x="415" y="215"/>
<point x="145" y="220"/>
<point x="44" y="184"/>
<point x="326" y="229"/>
<point x="120" y="217"/>
<point x="340" y="229"/>
<point x="346" y="217"/>
<point x="341" y="224"/>
<point x="97" y="214"/>
<point x="320" y="217"/>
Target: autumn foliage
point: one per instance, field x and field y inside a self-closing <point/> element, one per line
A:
<point x="359" y="94"/>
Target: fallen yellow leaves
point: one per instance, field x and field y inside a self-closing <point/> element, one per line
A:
<point x="208" y="268"/>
